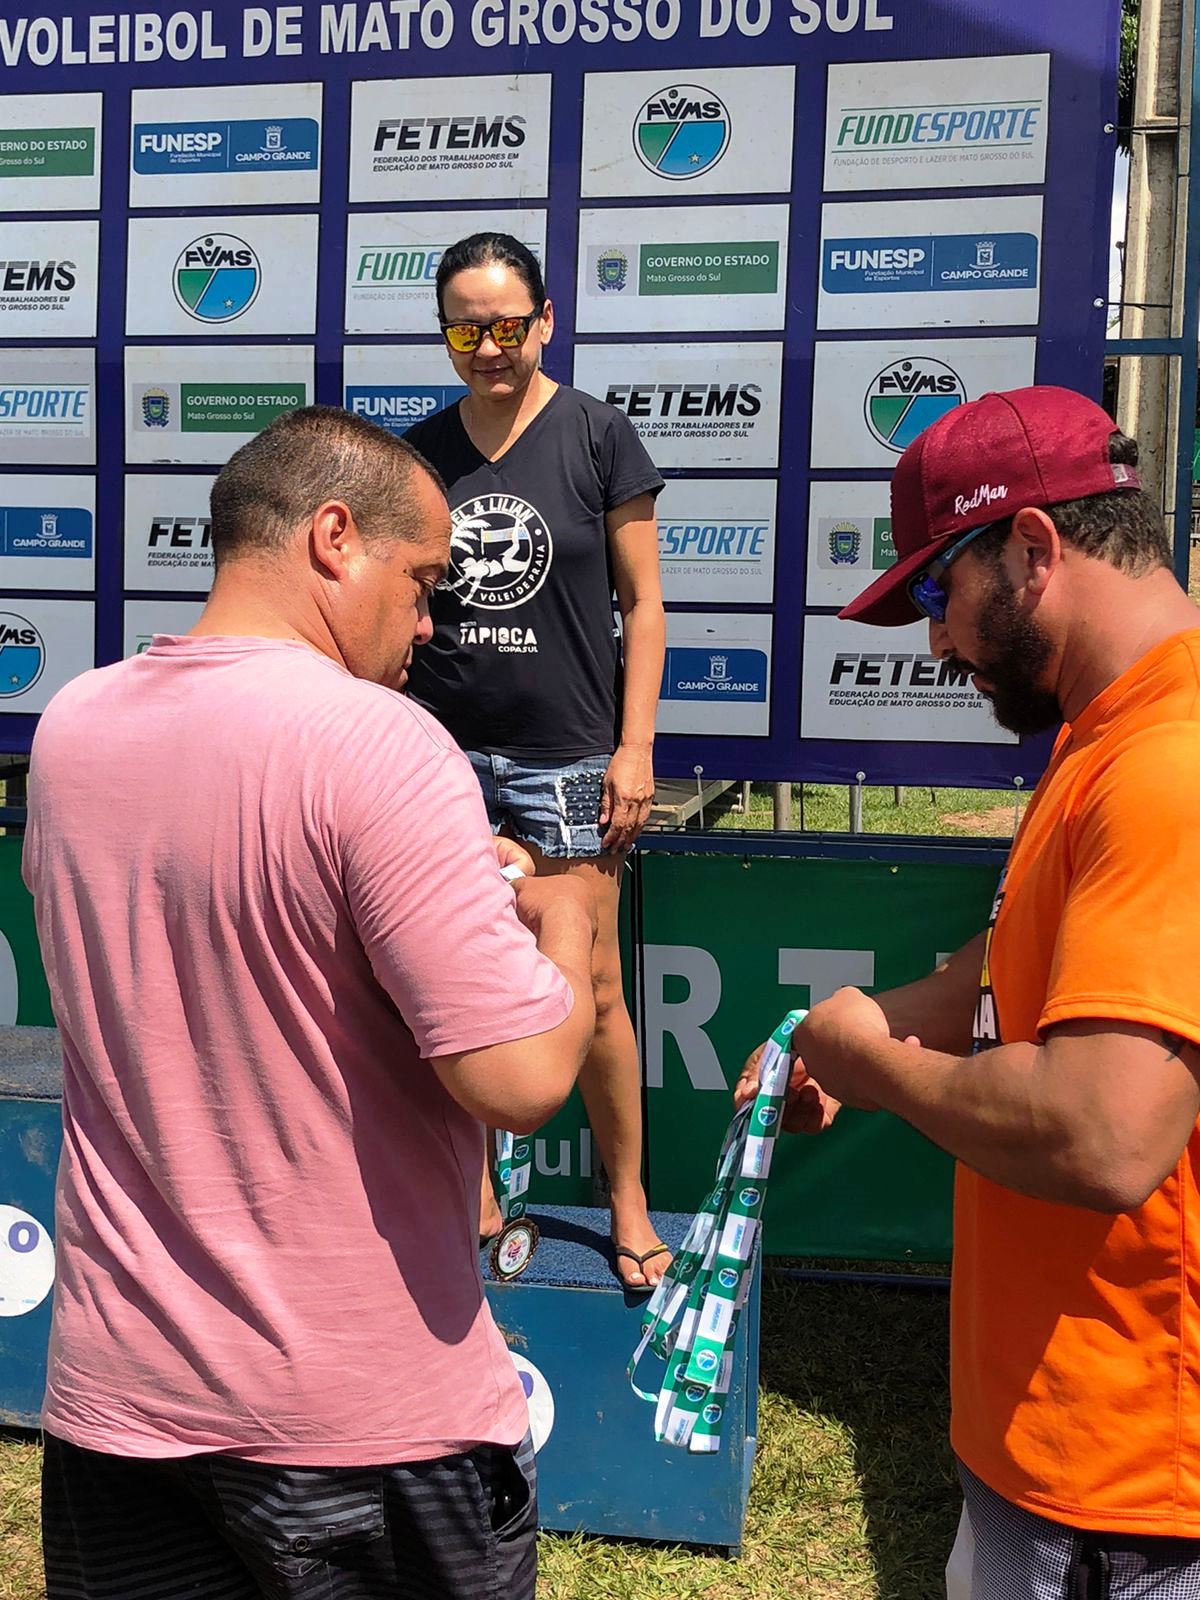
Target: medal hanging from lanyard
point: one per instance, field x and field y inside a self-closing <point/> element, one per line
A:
<point x="513" y="1247"/>
<point x="692" y="1317"/>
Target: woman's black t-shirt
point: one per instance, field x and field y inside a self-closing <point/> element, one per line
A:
<point x="524" y="660"/>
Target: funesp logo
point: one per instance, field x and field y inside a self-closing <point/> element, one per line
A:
<point x="681" y="131"/>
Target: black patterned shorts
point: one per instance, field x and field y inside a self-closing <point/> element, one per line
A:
<point x="214" y="1527"/>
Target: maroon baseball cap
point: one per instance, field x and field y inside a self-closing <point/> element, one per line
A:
<point x="983" y="462"/>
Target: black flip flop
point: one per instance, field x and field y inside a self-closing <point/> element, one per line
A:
<point x="632" y="1255"/>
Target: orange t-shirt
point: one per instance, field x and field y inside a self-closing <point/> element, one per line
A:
<point x="1075" y="1366"/>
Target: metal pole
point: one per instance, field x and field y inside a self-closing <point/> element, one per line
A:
<point x="856" y="803"/>
<point x="783" y="807"/>
<point x="1190" y="330"/>
<point x="1150" y="276"/>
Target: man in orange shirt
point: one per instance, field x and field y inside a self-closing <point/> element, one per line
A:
<point x="1059" y="1052"/>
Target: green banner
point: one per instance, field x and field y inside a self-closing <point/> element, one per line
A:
<point x="24" y="997"/>
<point x="732" y="943"/>
<point x="727" y="945"/>
<point x="745" y="267"/>
<point x="48" y="153"/>
<point x="235" y="407"/>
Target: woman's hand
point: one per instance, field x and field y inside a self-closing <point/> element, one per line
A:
<point x="626" y="796"/>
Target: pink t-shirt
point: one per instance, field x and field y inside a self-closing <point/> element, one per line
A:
<point x="266" y="892"/>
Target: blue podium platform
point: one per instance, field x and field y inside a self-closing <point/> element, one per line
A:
<point x="30" y="1139"/>
<point x="600" y="1470"/>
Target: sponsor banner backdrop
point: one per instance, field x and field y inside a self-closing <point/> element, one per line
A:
<point x="716" y="540"/>
<point x="167" y="531"/>
<point x="200" y="276"/>
<point x="199" y="405"/>
<point x="392" y="260"/>
<point x="882" y="684"/>
<point x="964" y="123"/>
<point x="145" y="618"/>
<point x="694" y="405"/>
<point x="875" y="397"/>
<point x="717" y="674"/>
<point x="47" y="531"/>
<point x="781" y="238"/>
<point x="931" y="263"/>
<point x="849" y="539"/>
<point x="48" y="279"/>
<point x="43" y="644"/>
<point x="226" y="146"/>
<point x="477" y="138"/>
<point x="49" y="151"/>
<point x="679" y="269"/>
<point x="719" y="131"/>
<point x="47" y="407"/>
<point x="398" y="384"/>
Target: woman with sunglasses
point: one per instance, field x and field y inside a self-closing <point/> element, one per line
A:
<point x="552" y="504"/>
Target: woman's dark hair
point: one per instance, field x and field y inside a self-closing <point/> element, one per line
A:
<point x="484" y="250"/>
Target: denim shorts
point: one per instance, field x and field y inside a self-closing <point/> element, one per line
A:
<point x="554" y="805"/>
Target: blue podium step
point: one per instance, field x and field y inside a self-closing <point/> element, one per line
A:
<point x="571" y="1329"/>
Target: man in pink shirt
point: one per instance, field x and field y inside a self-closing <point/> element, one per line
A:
<point x="290" y="983"/>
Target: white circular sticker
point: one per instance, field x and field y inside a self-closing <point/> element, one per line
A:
<point x="26" y="1262"/>
<point x="539" y="1399"/>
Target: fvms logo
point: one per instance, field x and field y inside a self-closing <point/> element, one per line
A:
<point x="907" y="396"/>
<point x="217" y="278"/>
<point x="22" y="655"/>
<point x="681" y="132"/>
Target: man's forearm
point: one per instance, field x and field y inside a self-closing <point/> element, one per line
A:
<point x="995" y="1111"/>
<point x="939" y="1009"/>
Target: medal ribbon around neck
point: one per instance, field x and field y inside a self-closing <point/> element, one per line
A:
<point x="691" y="1319"/>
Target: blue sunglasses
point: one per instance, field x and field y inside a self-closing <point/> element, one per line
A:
<point x="926" y="591"/>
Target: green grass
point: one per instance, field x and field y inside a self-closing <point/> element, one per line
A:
<point x="853" y="1495"/>
<point x="825" y="808"/>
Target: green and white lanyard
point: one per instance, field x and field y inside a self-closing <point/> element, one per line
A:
<point x="514" y="1162"/>
<point x="513" y="1247"/>
<point x="692" y="1317"/>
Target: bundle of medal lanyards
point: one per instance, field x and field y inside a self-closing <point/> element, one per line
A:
<point x="691" y="1319"/>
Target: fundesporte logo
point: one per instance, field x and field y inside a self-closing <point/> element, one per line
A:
<point x="500" y="551"/>
<point x="681" y="131"/>
<point x="22" y="655"/>
<point x="217" y="277"/>
<point x="967" y="125"/>
<point x="906" y="396"/>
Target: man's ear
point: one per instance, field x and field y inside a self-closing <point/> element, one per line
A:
<point x="334" y="539"/>
<point x="1035" y="549"/>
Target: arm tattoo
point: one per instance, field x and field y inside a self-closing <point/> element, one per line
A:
<point x="1173" y="1044"/>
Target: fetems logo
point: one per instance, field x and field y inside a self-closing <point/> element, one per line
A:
<point x="907" y="396"/>
<point x="681" y="132"/>
<point x="22" y="655"/>
<point x="217" y="278"/>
